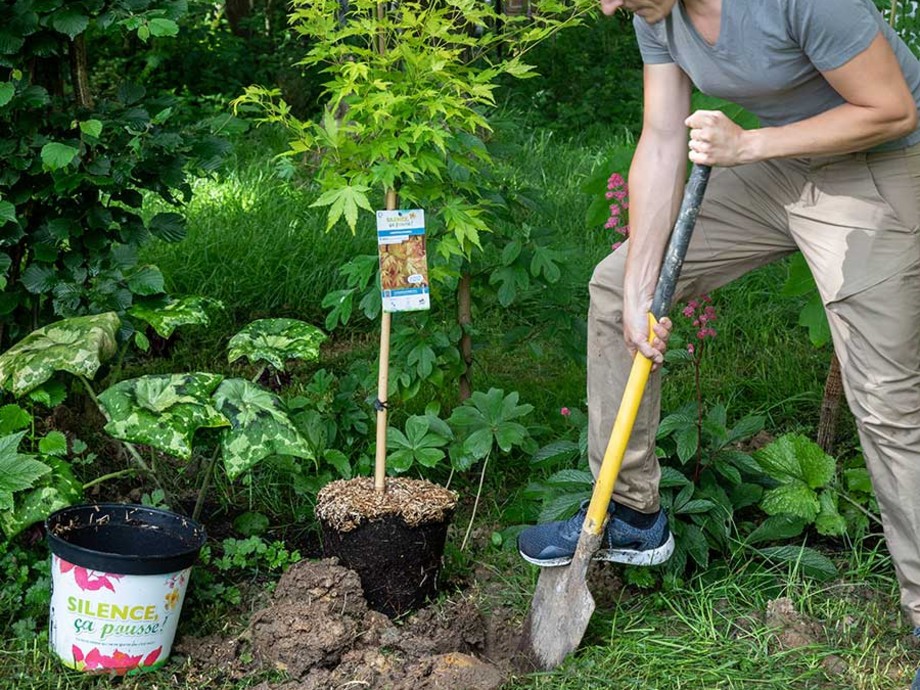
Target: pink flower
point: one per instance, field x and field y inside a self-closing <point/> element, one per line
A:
<point x="688" y="312"/>
<point x="615" y="246"/>
<point x="620" y="194"/>
<point x="626" y="230"/>
<point x="609" y="195"/>
<point x="565" y="412"/>
<point x="693" y="304"/>
<point x="704" y="333"/>
<point x="614" y="210"/>
<point x="616" y="180"/>
<point x="690" y="348"/>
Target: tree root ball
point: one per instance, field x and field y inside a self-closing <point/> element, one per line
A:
<point x="393" y="540"/>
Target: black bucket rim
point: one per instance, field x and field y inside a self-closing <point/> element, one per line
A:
<point x="100" y="560"/>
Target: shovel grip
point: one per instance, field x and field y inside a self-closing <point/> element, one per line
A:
<point x="642" y="366"/>
<point x="680" y="240"/>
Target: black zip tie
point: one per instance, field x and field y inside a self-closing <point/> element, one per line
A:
<point x="380" y="405"/>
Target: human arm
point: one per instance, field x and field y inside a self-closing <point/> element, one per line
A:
<point x="878" y="107"/>
<point x="656" y="182"/>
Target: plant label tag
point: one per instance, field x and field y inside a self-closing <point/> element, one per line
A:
<point x="403" y="260"/>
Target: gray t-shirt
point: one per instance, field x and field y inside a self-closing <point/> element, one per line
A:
<point x="769" y="53"/>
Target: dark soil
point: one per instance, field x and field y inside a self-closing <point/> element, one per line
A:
<point x="398" y="564"/>
<point x="320" y="631"/>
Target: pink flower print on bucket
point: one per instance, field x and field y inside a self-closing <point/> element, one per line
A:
<point x="89" y="580"/>
<point x="118" y="662"/>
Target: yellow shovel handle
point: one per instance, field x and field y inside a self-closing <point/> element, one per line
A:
<point x="619" y="438"/>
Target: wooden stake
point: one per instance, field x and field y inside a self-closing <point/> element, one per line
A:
<point x="383" y="372"/>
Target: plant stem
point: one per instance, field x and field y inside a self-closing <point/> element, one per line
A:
<point x="465" y="319"/>
<point x="862" y="509"/>
<point x="119" y="360"/>
<point x="132" y="450"/>
<point x="205" y="484"/>
<point x="107" y="477"/>
<point x="699" y="411"/>
<point x="255" y="379"/>
<point x="482" y="478"/>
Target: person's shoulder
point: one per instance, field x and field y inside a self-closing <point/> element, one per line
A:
<point x="643" y="28"/>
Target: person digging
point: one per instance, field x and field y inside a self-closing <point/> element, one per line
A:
<point x="833" y="171"/>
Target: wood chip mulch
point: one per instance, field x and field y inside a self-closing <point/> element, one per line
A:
<point x="346" y="503"/>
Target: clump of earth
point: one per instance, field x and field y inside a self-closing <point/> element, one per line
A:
<point x="319" y="630"/>
<point x="795" y="630"/>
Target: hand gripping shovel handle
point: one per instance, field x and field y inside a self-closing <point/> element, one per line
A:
<point x="642" y="366"/>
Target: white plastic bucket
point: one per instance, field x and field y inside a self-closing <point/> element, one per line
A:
<point x="118" y="575"/>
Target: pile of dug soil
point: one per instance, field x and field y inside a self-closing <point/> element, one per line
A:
<point x="319" y="630"/>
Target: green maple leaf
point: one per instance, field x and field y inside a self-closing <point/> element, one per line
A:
<point x="344" y="200"/>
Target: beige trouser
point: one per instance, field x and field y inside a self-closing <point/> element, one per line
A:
<point x="855" y="218"/>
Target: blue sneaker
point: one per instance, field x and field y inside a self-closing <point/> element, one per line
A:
<point x="553" y="543"/>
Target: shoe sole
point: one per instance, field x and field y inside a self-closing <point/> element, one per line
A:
<point x="625" y="556"/>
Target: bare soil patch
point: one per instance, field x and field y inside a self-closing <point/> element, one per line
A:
<point x="319" y="631"/>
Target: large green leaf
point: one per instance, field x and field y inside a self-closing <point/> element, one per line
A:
<point x="556" y="451"/>
<point x="419" y="444"/>
<point x="7" y="215"/>
<point x="259" y="427"/>
<point x="791" y="499"/>
<point x="486" y="419"/>
<point x="793" y="457"/>
<point x="808" y="560"/>
<point x="275" y="341"/>
<point x="829" y="520"/>
<point x="78" y="345"/>
<point x="169" y="227"/>
<point x="17" y="472"/>
<point x="54" y="490"/>
<point x="801" y="282"/>
<point x="56" y="155"/>
<point x="777" y="528"/>
<point x="7" y="91"/>
<point x="146" y="280"/>
<point x="165" y="315"/>
<point x="739" y="115"/>
<point x="162" y="411"/>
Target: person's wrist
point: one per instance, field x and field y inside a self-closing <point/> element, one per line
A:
<point x="752" y="147"/>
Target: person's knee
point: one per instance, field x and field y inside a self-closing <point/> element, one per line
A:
<point x="606" y="285"/>
<point x="887" y="409"/>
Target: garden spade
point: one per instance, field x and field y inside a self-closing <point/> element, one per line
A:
<point x="562" y="604"/>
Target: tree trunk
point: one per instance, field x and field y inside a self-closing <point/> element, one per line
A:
<point x="79" y="73"/>
<point x="238" y="12"/>
<point x="465" y="319"/>
<point x="830" y="407"/>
